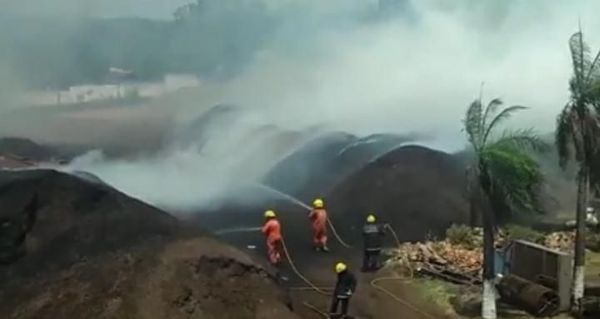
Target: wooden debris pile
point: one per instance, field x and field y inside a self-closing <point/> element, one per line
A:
<point x="442" y="259"/>
<point x="459" y="259"/>
<point x="563" y="241"/>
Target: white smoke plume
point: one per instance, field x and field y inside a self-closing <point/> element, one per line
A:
<point x="334" y="67"/>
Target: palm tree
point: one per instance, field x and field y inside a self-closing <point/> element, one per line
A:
<point x="577" y="134"/>
<point x="505" y="177"/>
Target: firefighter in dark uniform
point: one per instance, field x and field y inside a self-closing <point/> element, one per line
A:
<point x="373" y="234"/>
<point x="344" y="289"/>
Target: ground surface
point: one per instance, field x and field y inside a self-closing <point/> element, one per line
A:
<point x="318" y="268"/>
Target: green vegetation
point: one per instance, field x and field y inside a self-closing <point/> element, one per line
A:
<point x="577" y="138"/>
<point x="464" y="236"/>
<point x="503" y="176"/>
<point x="471" y="238"/>
<point x="436" y="292"/>
<point x="518" y="232"/>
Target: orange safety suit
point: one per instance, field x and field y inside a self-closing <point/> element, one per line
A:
<point x="272" y="231"/>
<point x="318" y="216"/>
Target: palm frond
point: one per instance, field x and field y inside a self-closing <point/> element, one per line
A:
<point x="595" y="172"/>
<point x="593" y="74"/>
<point x="580" y="59"/>
<point x="491" y="110"/>
<point x="502" y="116"/>
<point x="577" y="133"/>
<point x="473" y="124"/>
<point x="514" y="174"/>
<point x="522" y="139"/>
<point x="591" y="132"/>
<point x="564" y="135"/>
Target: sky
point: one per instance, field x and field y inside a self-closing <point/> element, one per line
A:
<point x="154" y="9"/>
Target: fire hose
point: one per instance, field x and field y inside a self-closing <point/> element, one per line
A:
<point x="398" y="278"/>
<point x="298" y="273"/>
<point x="374" y="283"/>
<point x="322" y="290"/>
<point x="337" y="236"/>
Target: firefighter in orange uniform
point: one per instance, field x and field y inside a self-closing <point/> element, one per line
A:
<point x="318" y="216"/>
<point x="272" y="232"/>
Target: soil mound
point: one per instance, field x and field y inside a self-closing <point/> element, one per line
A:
<point x="21" y="153"/>
<point x="308" y="166"/>
<point x="195" y="278"/>
<point x="75" y="248"/>
<point x="25" y="148"/>
<point x="415" y="189"/>
<point x="51" y="219"/>
<point x="328" y="160"/>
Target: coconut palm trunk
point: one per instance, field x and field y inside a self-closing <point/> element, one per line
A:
<point x="579" y="271"/>
<point x="488" y="307"/>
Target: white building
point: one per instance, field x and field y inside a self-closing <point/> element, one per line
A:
<point x="89" y="93"/>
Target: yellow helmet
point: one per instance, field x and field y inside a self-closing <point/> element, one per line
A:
<point x="318" y="203"/>
<point x="270" y="214"/>
<point x="340" y="267"/>
<point x="371" y="218"/>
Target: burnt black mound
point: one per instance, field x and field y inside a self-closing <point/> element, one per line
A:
<point x="50" y="219"/>
<point x="26" y="148"/>
<point x="317" y="167"/>
<point x="71" y="247"/>
<point x="417" y="190"/>
<point x="304" y="173"/>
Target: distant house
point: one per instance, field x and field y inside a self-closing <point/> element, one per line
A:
<point x="120" y="84"/>
<point x="174" y="82"/>
<point x="116" y="75"/>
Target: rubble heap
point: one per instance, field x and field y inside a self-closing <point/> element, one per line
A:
<point x="563" y="241"/>
<point x="452" y="257"/>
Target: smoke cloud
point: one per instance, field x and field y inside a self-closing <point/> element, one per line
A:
<point x="348" y="66"/>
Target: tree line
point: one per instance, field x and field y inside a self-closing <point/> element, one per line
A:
<point x="504" y="175"/>
<point x="207" y="38"/>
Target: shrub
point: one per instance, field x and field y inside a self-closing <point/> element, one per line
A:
<point x="465" y="236"/>
<point x="517" y="232"/>
<point x="592" y="241"/>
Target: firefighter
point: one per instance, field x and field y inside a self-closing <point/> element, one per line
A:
<point x="344" y="289"/>
<point x="272" y="232"/>
<point x="373" y="234"/>
<point x="318" y="216"/>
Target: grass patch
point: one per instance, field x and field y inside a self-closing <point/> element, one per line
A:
<point x="435" y="292"/>
<point x="465" y="236"/>
<point x="517" y="232"/>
